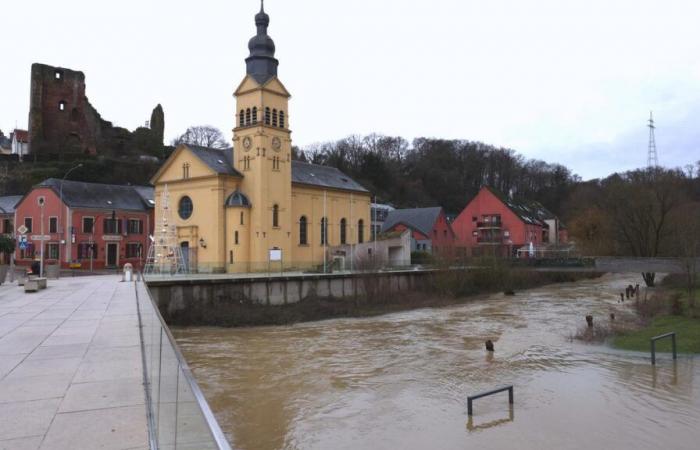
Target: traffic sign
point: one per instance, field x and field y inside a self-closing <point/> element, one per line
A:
<point x="22" y="229"/>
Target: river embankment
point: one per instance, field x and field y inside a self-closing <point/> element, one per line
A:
<point x="671" y="307"/>
<point x="370" y="295"/>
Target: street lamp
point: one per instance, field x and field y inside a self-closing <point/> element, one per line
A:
<point x="61" y="197"/>
<point x="42" y="202"/>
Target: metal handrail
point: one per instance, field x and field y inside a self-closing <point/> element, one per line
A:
<point x="216" y="432"/>
<point x="672" y="335"/>
<point x="471" y="398"/>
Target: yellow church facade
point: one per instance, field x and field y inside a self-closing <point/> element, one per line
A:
<point x="252" y="208"/>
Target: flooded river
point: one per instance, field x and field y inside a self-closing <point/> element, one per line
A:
<point x="401" y="381"/>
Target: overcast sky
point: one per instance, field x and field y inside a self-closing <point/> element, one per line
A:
<point x="565" y="81"/>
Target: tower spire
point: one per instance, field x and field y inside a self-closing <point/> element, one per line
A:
<point x="652" y="156"/>
<point x="261" y="64"/>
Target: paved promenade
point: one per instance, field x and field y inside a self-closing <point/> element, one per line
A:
<point x="70" y="367"/>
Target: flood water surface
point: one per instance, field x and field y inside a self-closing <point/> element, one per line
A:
<point x="401" y="381"/>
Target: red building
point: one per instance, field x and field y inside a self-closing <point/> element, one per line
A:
<point x="85" y="224"/>
<point x="494" y="224"/>
<point x="430" y="230"/>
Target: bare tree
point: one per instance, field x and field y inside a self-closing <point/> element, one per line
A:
<point x="203" y="136"/>
<point x="640" y="205"/>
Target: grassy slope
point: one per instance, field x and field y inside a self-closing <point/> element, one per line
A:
<point x="687" y="335"/>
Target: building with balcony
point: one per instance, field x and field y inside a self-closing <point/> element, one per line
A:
<point x="85" y="225"/>
<point x="430" y="230"/>
<point x="497" y="225"/>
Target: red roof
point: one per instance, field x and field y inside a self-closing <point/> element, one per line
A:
<point x="21" y="135"/>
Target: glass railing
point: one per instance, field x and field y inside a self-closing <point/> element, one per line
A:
<point x="179" y="416"/>
<point x="277" y="268"/>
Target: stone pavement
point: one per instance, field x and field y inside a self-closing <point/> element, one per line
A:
<point x="71" y="372"/>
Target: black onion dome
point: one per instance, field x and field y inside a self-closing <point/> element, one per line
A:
<point x="261" y="64"/>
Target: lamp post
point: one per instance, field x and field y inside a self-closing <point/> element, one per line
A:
<point x="62" y="207"/>
<point x="42" y="202"/>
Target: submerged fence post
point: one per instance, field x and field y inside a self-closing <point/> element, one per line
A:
<point x="471" y="398"/>
<point x="672" y="335"/>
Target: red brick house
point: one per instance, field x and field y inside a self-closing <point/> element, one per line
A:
<point x="495" y="224"/>
<point x="430" y="230"/>
<point x="94" y="225"/>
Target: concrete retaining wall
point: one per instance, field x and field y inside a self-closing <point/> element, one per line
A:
<point x="184" y="296"/>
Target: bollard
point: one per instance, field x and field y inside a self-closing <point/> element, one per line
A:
<point x="128" y="274"/>
<point x="589" y="320"/>
<point x="489" y="346"/>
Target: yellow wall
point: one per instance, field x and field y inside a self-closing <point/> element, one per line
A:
<point x="309" y="201"/>
<point x="208" y="192"/>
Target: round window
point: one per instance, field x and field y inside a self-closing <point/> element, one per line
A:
<point x="185" y="208"/>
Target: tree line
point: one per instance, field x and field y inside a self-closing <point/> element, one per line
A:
<point x="439" y="172"/>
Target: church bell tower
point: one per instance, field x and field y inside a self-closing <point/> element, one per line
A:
<point x="262" y="147"/>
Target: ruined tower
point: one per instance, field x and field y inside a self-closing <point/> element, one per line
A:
<point x="61" y="120"/>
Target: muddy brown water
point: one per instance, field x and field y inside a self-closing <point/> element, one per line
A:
<point x="401" y="381"/>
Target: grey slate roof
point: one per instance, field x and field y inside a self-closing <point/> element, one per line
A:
<point x="8" y="203"/>
<point x="323" y="176"/>
<point x="420" y="219"/>
<point x="78" y="194"/>
<point x="220" y="161"/>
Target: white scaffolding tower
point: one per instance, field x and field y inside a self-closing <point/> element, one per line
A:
<point x="165" y="255"/>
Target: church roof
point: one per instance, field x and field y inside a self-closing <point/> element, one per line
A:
<point x="220" y="161"/>
<point x="420" y="219"/>
<point x="323" y="176"/>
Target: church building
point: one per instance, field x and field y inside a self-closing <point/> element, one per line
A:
<point x="253" y="208"/>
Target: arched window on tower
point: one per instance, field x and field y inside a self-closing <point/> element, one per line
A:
<point x="324" y="231"/>
<point x="274" y="117"/>
<point x="255" y="115"/>
<point x="303" y="238"/>
<point x="360" y="231"/>
<point x="241" y="118"/>
<point x="267" y="116"/>
<point x="247" y="116"/>
<point x="343" y="230"/>
<point x="275" y="216"/>
<point x="281" y="119"/>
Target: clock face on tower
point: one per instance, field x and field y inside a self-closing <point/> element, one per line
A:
<point x="247" y="142"/>
<point x="276" y="143"/>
